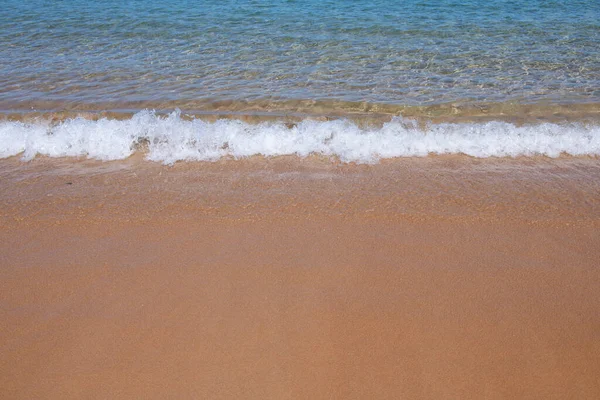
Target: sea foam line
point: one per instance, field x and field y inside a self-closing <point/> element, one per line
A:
<point x="170" y="138"/>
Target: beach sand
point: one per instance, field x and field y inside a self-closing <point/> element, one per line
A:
<point x="434" y="278"/>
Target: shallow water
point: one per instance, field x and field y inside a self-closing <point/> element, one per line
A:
<point x="114" y="54"/>
<point x="485" y="67"/>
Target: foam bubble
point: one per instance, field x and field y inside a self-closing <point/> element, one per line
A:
<point x="170" y="139"/>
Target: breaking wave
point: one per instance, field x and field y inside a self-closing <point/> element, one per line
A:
<point x="171" y="138"/>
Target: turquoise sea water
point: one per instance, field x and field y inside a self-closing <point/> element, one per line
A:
<point x="129" y="53"/>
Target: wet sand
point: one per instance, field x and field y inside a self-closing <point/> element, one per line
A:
<point x="441" y="277"/>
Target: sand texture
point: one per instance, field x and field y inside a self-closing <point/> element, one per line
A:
<point x="434" y="278"/>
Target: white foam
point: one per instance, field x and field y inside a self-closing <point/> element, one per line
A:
<point x="172" y="139"/>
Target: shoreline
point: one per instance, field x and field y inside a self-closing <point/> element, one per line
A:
<point x="533" y="189"/>
<point x="294" y="111"/>
<point x="300" y="200"/>
<point x="177" y="137"/>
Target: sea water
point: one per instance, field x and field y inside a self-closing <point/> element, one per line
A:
<point x="319" y="57"/>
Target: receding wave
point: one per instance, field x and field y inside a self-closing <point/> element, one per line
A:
<point x="171" y="138"/>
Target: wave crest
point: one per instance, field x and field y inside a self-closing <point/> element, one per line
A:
<point x="171" y="138"/>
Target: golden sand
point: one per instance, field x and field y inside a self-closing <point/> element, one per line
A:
<point x="434" y="278"/>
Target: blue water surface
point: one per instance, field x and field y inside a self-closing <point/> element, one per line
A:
<point x="412" y="52"/>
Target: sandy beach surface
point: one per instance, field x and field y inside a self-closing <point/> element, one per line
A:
<point x="434" y="278"/>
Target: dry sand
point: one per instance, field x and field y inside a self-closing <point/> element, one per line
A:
<point x="435" y="278"/>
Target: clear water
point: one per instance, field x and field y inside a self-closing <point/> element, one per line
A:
<point x="117" y="53"/>
<point x="329" y="57"/>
